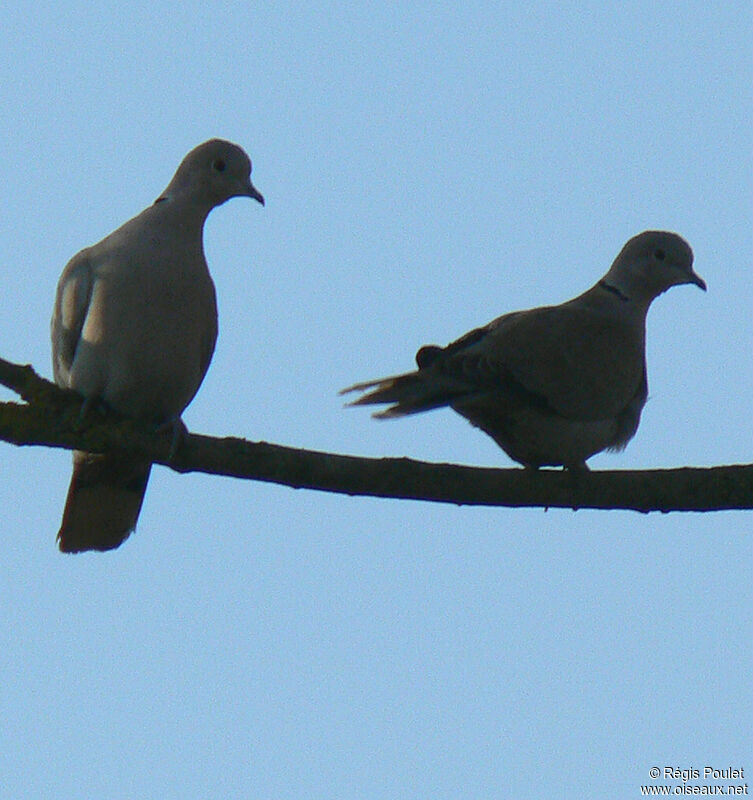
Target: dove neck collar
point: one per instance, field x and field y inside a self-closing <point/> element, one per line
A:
<point x="615" y="290"/>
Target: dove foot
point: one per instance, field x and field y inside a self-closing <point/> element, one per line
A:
<point x="178" y="432"/>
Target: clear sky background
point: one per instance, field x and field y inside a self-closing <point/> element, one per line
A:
<point x="426" y="167"/>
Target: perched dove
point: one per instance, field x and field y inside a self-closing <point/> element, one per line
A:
<point x="134" y="326"/>
<point x="552" y="385"/>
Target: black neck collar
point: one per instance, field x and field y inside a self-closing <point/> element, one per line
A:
<point x="614" y="290"/>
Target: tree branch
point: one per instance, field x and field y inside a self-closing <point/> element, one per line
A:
<point x="52" y="417"/>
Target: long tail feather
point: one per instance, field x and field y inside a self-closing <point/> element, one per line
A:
<point x="409" y="393"/>
<point x="104" y="500"/>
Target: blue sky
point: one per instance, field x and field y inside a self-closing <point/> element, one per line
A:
<point x="426" y="168"/>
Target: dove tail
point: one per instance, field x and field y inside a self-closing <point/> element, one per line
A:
<point x="409" y="393"/>
<point x="104" y="501"/>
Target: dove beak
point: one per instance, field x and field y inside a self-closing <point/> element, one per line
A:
<point x="254" y="193"/>
<point x="697" y="280"/>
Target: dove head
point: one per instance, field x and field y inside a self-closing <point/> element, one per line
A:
<point x="650" y="263"/>
<point x="212" y="173"/>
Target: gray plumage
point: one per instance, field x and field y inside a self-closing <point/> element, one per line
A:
<point x="134" y="326"/>
<point x="557" y="384"/>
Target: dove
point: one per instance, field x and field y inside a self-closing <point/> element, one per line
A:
<point x="552" y="385"/>
<point x="134" y="328"/>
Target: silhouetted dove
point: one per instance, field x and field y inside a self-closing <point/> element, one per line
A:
<point x="552" y="385"/>
<point x="134" y="326"/>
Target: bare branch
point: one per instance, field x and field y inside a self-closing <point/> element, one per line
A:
<point x="52" y="418"/>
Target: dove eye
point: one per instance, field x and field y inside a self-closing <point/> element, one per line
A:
<point x="660" y="255"/>
<point x="219" y="164"/>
